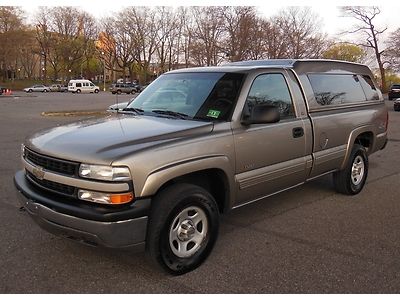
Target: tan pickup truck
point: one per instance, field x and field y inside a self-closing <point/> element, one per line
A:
<point x="197" y="143"/>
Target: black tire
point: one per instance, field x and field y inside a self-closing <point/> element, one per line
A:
<point x="44" y="91"/>
<point x="345" y="181"/>
<point x="96" y="91"/>
<point x="78" y="91"/>
<point x="168" y="210"/>
<point x="119" y="92"/>
<point x="30" y="91"/>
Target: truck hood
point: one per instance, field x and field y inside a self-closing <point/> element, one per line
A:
<point x="101" y="141"/>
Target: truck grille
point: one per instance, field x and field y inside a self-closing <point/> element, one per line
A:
<point x="51" y="186"/>
<point x="52" y="164"/>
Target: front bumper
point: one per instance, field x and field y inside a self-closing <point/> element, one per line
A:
<point x="114" y="230"/>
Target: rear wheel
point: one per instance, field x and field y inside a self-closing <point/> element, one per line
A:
<point x="183" y="228"/>
<point x="351" y="179"/>
<point x="78" y="91"/>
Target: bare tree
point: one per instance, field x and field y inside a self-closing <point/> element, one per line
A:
<point x="365" y="15"/>
<point x="66" y="36"/>
<point x="299" y="31"/>
<point x="392" y="52"/>
<point x="239" y="23"/>
<point x="206" y="35"/>
<point x="28" y="54"/>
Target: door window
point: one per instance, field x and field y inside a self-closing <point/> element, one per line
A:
<point x="271" y="89"/>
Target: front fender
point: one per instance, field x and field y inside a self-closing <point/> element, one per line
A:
<point x="159" y="177"/>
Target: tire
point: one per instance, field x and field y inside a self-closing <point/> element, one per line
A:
<point x="119" y="92"/>
<point x="44" y="91"/>
<point x="351" y="180"/>
<point x="96" y="91"/>
<point x="182" y="215"/>
<point x="78" y="91"/>
<point x="30" y="91"/>
<point x="133" y="92"/>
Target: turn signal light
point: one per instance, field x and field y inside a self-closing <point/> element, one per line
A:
<point x="121" y="198"/>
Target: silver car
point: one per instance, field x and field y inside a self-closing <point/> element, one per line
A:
<point x="37" y="88"/>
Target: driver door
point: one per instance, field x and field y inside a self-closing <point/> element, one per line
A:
<point x="270" y="157"/>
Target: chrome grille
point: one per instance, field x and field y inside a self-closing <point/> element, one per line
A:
<point x="51" y="163"/>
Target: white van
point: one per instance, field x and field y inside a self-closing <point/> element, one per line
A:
<point x="82" y="86"/>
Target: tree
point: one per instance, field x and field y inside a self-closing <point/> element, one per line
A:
<point x="239" y="22"/>
<point x="11" y="26"/>
<point x="297" y="31"/>
<point x="365" y="15"/>
<point x="346" y="52"/>
<point x="66" y="37"/>
<point x="206" y="35"/>
<point x="392" y="52"/>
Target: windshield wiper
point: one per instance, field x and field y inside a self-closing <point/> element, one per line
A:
<point x="172" y="114"/>
<point x="134" y="109"/>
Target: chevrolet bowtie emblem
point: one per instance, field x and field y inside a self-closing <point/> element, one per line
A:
<point x="38" y="172"/>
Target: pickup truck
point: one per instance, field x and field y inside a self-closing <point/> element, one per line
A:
<point x="197" y="143"/>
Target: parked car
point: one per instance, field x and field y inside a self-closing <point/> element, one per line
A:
<point x="1" y="90"/>
<point x="37" y="88"/>
<point x="396" y="104"/>
<point x="128" y="88"/>
<point x="394" y="92"/>
<point x="82" y="86"/>
<point x="58" y="88"/>
<point x="160" y="174"/>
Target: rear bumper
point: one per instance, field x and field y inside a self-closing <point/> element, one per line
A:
<point x="125" y="233"/>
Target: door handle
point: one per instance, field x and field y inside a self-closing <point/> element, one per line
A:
<point x="298" y="132"/>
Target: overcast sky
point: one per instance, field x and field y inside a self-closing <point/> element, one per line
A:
<point x="332" y="21"/>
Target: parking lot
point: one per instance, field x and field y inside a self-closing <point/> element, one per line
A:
<point x="306" y="240"/>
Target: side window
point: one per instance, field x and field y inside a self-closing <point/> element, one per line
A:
<point x="369" y="88"/>
<point x="91" y="84"/>
<point x="271" y="89"/>
<point x="334" y="89"/>
<point x="78" y="84"/>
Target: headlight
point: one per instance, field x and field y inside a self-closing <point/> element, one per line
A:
<point x="22" y="150"/>
<point x="106" y="173"/>
<point x="105" y="198"/>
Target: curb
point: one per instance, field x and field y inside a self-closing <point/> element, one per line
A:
<point x="74" y="113"/>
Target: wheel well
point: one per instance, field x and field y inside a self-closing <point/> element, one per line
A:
<point x="212" y="180"/>
<point x="365" y="139"/>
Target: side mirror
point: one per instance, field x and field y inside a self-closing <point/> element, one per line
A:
<point x="261" y="114"/>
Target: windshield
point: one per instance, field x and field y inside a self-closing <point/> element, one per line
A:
<point x="202" y="96"/>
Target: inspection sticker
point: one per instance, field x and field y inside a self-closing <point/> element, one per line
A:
<point x="213" y="113"/>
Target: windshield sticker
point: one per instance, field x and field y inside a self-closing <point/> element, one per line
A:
<point x="213" y="113"/>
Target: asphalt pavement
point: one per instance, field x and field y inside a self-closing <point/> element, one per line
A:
<point x="306" y="240"/>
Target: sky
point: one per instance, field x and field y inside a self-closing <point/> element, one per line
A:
<point x="332" y="21"/>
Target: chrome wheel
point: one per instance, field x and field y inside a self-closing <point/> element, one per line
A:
<point x="357" y="170"/>
<point x="188" y="231"/>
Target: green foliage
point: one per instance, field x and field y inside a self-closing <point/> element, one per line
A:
<point x="391" y="78"/>
<point x="346" y="52"/>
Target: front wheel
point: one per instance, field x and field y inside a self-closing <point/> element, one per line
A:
<point x="96" y="91"/>
<point x="78" y="91"/>
<point x="183" y="228"/>
<point x="351" y="179"/>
